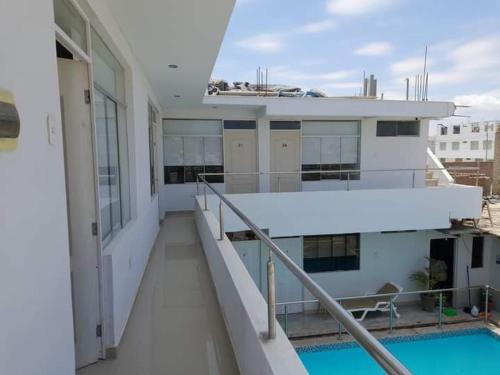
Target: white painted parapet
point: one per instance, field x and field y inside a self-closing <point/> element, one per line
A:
<point x="243" y="307"/>
<point x="355" y="211"/>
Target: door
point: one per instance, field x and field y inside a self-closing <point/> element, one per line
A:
<point x="444" y="249"/>
<point x="240" y="154"/>
<point x="81" y="202"/>
<point x="285" y="159"/>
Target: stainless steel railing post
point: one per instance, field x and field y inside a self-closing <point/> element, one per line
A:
<point x="221" y="221"/>
<point x="205" y="197"/>
<point x="348" y="181"/>
<point x="391" y="317"/>
<point x="413" y="180"/>
<point x="286" y="320"/>
<point x="279" y="184"/>
<point x="486" y="296"/>
<point x="197" y="186"/>
<point x="271" y="300"/>
<point x="440" y="319"/>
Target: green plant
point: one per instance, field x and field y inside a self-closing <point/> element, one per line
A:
<point x="435" y="272"/>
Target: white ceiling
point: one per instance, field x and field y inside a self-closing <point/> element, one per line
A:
<point x="187" y="33"/>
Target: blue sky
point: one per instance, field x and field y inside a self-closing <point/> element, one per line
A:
<point x="327" y="44"/>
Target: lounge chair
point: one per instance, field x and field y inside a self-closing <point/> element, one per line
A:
<point x="374" y="303"/>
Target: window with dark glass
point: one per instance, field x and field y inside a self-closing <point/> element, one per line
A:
<point x="331" y="253"/>
<point x="444" y="130"/>
<point x="477" y="252"/>
<point x="456" y="129"/>
<point x="190" y="148"/>
<point x="332" y="149"/>
<point x="398" y="128"/>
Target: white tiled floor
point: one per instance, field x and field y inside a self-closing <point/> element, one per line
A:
<point x="176" y="326"/>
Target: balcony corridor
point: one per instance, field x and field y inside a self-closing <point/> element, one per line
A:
<point x="176" y="326"/>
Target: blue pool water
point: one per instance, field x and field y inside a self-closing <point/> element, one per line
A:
<point x="463" y="352"/>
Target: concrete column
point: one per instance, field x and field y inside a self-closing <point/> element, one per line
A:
<point x="263" y="140"/>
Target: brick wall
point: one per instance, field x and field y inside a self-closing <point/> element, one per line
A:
<point x="485" y="168"/>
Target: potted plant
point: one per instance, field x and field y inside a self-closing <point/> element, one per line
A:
<point x="434" y="273"/>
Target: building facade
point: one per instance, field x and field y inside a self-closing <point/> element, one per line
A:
<point x="473" y="141"/>
<point x="106" y="128"/>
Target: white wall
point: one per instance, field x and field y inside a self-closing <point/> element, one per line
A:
<point x="243" y="307"/>
<point x="356" y="211"/>
<point x="35" y="315"/>
<point x="126" y="257"/>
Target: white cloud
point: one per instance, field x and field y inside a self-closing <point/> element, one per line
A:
<point x="317" y="27"/>
<point x="265" y="43"/>
<point x="410" y="67"/>
<point x="357" y="7"/>
<point x="481" y="102"/>
<point x="275" y="42"/>
<point x="291" y="75"/>
<point x="375" y="49"/>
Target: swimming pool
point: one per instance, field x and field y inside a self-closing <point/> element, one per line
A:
<point x="473" y="351"/>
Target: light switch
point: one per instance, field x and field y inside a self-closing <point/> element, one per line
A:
<point x="51" y="129"/>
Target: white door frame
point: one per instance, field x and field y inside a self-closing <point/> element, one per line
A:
<point x="68" y="43"/>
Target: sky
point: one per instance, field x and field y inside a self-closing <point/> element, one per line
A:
<point x="328" y="44"/>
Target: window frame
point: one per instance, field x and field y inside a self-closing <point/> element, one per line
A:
<point x="397" y="124"/>
<point x="153" y="116"/>
<point x="333" y="263"/>
<point x="184" y="171"/>
<point x="329" y="166"/>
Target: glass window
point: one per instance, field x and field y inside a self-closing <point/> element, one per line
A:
<point x="109" y="75"/>
<point x="476" y="129"/>
<point x="112" y="143"/>
<point x="477" y="252"/>
<point x="331" y="253"/>
<point x="474" y="145"/>
<point x="487" y="145"/>
<point x="192" y="147"/>
<point x="330" y="146"/>
<point x="455" y="146"/>
<point x="398" y="128"/>
<point x="456" y="129"/>
<point x="71" y="22"/>
<point x="442" y="146"/>
<point x="110" y="194"/>
<point x="444" y="130"/>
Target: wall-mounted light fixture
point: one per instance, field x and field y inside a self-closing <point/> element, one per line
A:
<point x="9" y="122"/>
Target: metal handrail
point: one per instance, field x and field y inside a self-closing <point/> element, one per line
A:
<point x="323" y="171"/>
<point x="374" y="348"/>
<point x="391" y="297"/>
<point x="434" y="291"/>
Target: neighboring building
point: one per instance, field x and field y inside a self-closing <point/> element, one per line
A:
<point x="114" y="130"/>
<point x="468" y="152"/>
<point x="473" y="141"/>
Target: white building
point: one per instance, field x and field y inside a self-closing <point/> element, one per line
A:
<point x="473" y="141"/>
<point x="114" y="126"/>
